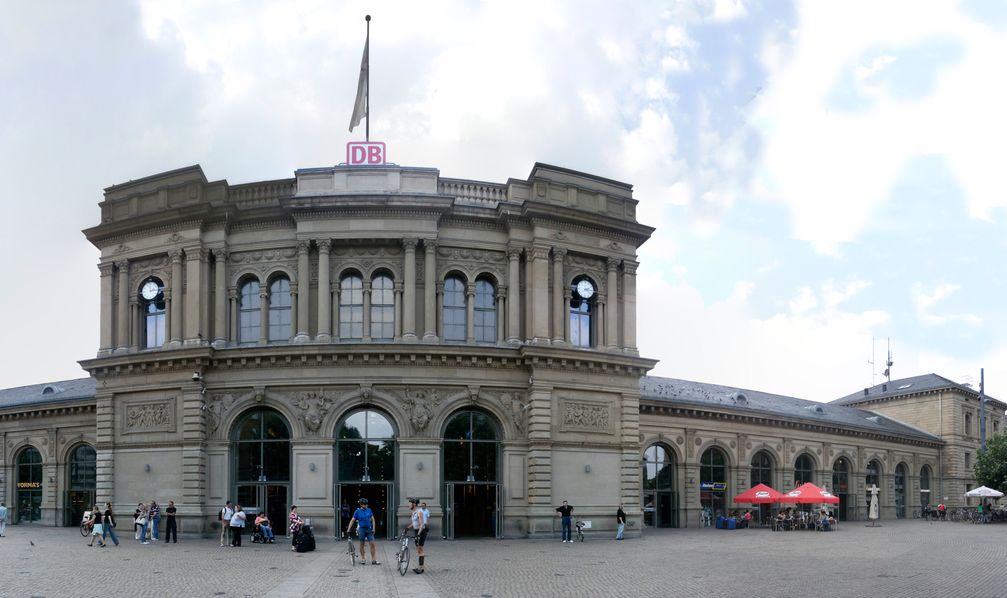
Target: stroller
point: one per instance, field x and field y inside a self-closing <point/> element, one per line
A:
<point x="304" y="540"/>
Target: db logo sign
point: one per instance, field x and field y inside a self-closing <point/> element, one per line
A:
<point x="364" y="153"/>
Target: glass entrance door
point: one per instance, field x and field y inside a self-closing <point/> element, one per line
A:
<point x="268" y="498"/>
<point x="473" y="510"/>
<point x="77" y="501"/>
<point x="380" y="498"/>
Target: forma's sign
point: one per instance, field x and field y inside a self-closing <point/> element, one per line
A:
<point x="365" y="153"/>
<point x="29" y="485"/>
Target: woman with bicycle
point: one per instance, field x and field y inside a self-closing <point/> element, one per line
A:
<point x="419" y="523"/>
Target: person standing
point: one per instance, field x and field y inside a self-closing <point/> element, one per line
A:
<point x="170" y="527"/>
<point x="108" y="524"/>
<point x="564" y="513"/>
<point x="237" y="524"/>
<point x="419" y="523"/>
<point x="3" y="519"/>
<point x="96" y="527"/>
<point x="620" y="521"/>
<point x="295" y="526"/>
<point x="136" y="520"/>
<point x="364" y="517"/>
<point x="154" y="520"/>
<point x="225" y="524"/>
<point x="144" y="521"/>
<point x="426" y="514"/>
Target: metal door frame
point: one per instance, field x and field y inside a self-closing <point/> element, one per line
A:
<point x="391" y="509"/>
<point x="448" y="504"/>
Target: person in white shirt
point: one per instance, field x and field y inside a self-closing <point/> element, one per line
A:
<point x="419" y="523"/>
<point x="426" y="514"/>
<point x="3" y="519"/>
<point x="237" y="524"/>
<point x="225" y="524"/>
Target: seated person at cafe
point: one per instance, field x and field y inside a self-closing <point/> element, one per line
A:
<point x="262" y="522"/>
<point x="748" y="517"/>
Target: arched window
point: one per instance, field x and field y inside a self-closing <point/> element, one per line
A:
<point x="872" y="476"/>
<point x="153" y="305"/>
<point x="351" y="307"/>
<point x="583" y="294"/>
<point x="925" y="498"/>
<point x="660" y="504"/>
<point x="82" y="483"/>
<point x="279" y="310"/>
<point x="968" y="424"/>
<point x="470" y="448"/>
<point x="900" y="491"/>
<point x="249" y="316"/>
<point x="366" y="447"/>
<point x="485" y="312"/>
<point x="382" y="308"/>
<point x="762" y="469"/>
<point x="804" y="470"/>
<point x="454" y="309"/>
<point x="713" y="480"/>
<point x="841" y="486"/>
<point x="29" y="485"/>
<point x="262" y="447"/>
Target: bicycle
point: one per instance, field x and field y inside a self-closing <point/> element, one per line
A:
<point x="351" y="550"/>
<point x="86" y="527"/>
<point x="580" y="533"/>
<point x="402" y="556"/>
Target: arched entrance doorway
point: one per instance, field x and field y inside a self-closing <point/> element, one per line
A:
<point x="260" y="449"/>
<point x="762" y="473"/>
<point x="29" y="486"/>
<point x="804" y="470"/>
<point x="925" y="500"/>
<point x="81" y="485"/>
<point x="660" y="501"/>
<point x="713" y="480"/>
<point x="473" y="501"/>
<point x="365" y="468"/>
<point x="841" y="487"/>
<point x="900" y="491"/>
<point x="872" y="477"/>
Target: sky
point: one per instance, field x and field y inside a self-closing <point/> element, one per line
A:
<point x="823" y="176"/>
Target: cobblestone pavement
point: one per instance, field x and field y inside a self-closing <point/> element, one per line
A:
<point x="908" y="558"/>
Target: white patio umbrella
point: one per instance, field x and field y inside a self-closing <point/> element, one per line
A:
<point x="984" y="492"/>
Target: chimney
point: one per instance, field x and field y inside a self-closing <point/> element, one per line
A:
<point x="865" y="392"/>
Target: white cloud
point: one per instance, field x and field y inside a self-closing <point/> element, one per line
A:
<point x="925" y="301"/>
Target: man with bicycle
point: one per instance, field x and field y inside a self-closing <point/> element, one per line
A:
<point x="418" y="522"/>
<point x="364" y="517"/>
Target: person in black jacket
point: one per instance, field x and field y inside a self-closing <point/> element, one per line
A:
<point x="170" y="527"/>
<point x="620" y="520"/>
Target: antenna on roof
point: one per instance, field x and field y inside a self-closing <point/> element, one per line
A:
<point x="888" y="363"/>
<point x="874" y="373"/>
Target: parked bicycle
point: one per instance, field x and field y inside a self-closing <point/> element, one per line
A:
<point x="402" y="556"/>
<point x="351" y="550"/>
<point x="580" y="530"/>
<point x="85" y="524"/>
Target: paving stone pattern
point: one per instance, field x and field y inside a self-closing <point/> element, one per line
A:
<point x="906" y="558"/>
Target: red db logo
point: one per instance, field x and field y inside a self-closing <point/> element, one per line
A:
<point x="369" y="153"/>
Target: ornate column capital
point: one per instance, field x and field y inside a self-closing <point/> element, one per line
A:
<point x="176" y="256"/>
<point x="558" y="253"/>
<point x="232" y="293"/>
<point x="410" y="243"/>
<point x="514" y="251"/>
<point x="470" y="289"/>
<point x="105" y="268"/>
<point x="612" y="264"/>
<point x="429" y="246"/>
<point x="134" y="301"/>
<point x="303" y="246"/>
<point x="293" y="288"/>
<point x="264" y="293"/>
<point x="324" y="245"/>
<point x="122" y="265"/>
<point x="220" y="254"/>
<point x="539" y="252"/>
<point x="397" y="286"/>
<point x="440" y="287"/>
<point x="629" y="267"/>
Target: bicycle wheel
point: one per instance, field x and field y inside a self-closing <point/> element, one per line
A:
<point x="352" y="552"/>
<point x="83" y="530"/>
<point x="403" y="560"/>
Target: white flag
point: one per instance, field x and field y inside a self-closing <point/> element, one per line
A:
<point x="360" y="107"/>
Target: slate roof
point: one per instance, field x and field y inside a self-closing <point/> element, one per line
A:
<point x="37" y="394"/>
<point x="756" y="402"/>
<point x="907" y="386"/>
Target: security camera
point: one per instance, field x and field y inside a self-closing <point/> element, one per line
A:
<point x="196" y="376"/>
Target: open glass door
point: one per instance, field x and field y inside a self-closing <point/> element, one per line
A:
<point x="449" y="511"/>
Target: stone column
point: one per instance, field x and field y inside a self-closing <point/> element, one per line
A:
<point x="303" y="279"/>
<point x="122" y="326"/>
<point x="335" y="311"/>
<point x="264" y="311"/>
<point x="194" y="259"/>
<point x="367" y="311"/>
<point x="611" y="309"/>
<point x="629" y="432"/>
<point x="629" y="306"/>
<point x="220" y="298"/>
<point x="429" y="286"/>
<point x="601" y="303"/>
<point x="105" y="312"/>
<point x="470" y="313"/>
<point x="565" y="314"/>
<point x="324" y="293"/>
<point x="409" y="292"/>
<point x="136" y="323"/>
<point x="232" y="297"/>
<point x="540" y="478"/>
<point x="293" y="308"/>
<point x="558" y="285"/>
<point x="398" y="311"/>
<point x="104" y="446"/>
<point x="440" y="307"/>
<point x="513" y="288"/>
<point x="539" y="294"/>
<point x="501" y="309"/>
<point x="176" y="298"/>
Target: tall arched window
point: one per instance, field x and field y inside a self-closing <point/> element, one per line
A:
<point x="762" y="469"/>
<point x="470" y="448"/>
<point x="841" y="486"/>
<point x="583" y="294"/>
<point x="900" y="491"/>
<point x="351" y="307"/>
<point x="81" y="485"/>
<point x="660" y="504"/>
<point x="804" y="470"/>
<point x="29" y="485"/>
<point x="153" y="305"/>
<point x="713" y="480"/>
<point x="382" y="308"/>
<point x="366" y="447"/>
<point x="872" y="477"/>
<point x="261" y="456"/>
<point x="454" y="309"/>
<point x="249" y="313"/>
<point x="485" y="312"/>
<point x="925" y="498"/>
<point x="279" y="310"/>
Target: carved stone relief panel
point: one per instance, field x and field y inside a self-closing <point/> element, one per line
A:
<point x="149" y="416"/>
<point x="262" y="261"/>
<point x="578" y="415"/>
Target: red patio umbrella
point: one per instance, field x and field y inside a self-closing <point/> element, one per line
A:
<point x="808" y="494"/>
<point x="758" y="495"/>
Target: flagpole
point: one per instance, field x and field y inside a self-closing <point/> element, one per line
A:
<point x="367" y="100"/>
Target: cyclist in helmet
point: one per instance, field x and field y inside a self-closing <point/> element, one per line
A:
<point x="364" y="517"/>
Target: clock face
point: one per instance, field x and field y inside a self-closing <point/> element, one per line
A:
<point x="150" y="290"/>
<point x="585" y="289"/>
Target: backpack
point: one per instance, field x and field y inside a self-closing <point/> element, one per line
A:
<point x="305" y="540"/>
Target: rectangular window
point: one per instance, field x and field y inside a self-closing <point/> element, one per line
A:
<point x="454" y="324"/>
<point x="155" y="330"/>
<point x="968" y="460"/>
<point x="351" y="322"/>
<point x="249" y="327"/>
<point x="485" y="325"/>
<point x="382" y="322"/>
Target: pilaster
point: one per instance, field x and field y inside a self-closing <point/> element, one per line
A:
<point x="122" y="302"/>
<point x="105" y="311"/>
<point x="175" y="314"/>
<point x="629" y="306"/>
<point x="303" y="278"/>
<point x="429" y="286"/>
<point x="513" y="288"/>
<point x="558" y="285"/>
<point x="195" y="260"/>
<point x="409" y="291"/>
<point x="539" y="293"/>
<point x="611" y="311"/>
<point x="220" y="298"/>
<point x="324" y="292"/>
